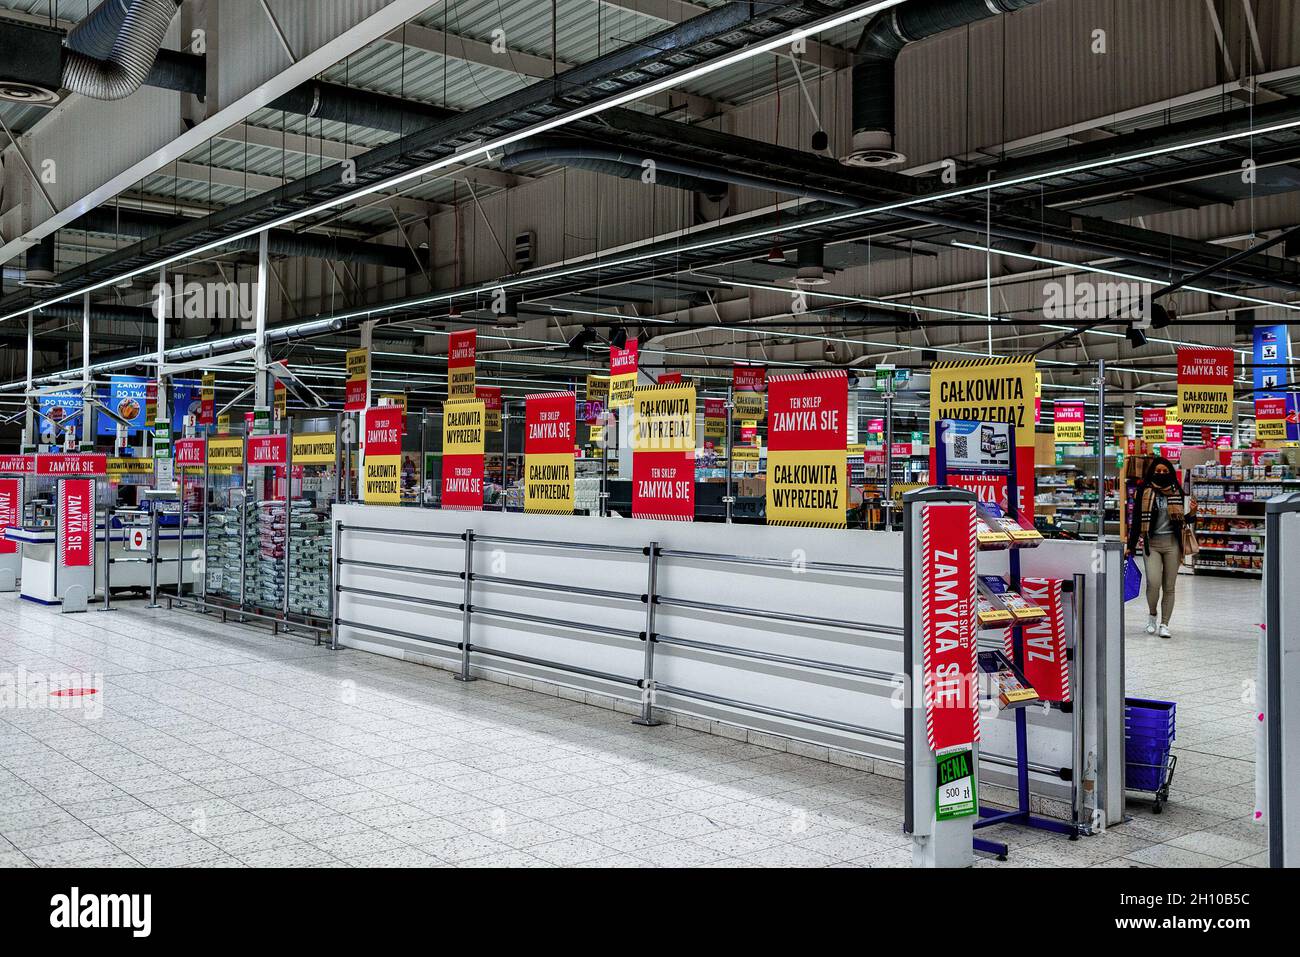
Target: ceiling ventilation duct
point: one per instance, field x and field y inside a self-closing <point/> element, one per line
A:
<point x="110" y="54"/>
<point x="876" y="56"/>
<point x="811" y="268"/>
<point x="40" y="265"/>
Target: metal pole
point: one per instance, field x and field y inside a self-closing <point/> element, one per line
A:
<point x="334" y="586"/>
<point x="647" y="718"/>
<point x="1101" y="451"/>
<point x="468" y="575"/>
<point x="180" y="531"/>
<point x="1077" y="662"/>
<point x="243" y="530"/>
<point x="729" y="499"/>
<point x="421" y="471"/>
<point x="288" y="507"/>
<point x="888" y="504"/>
<point x="108" y="559"/>
<point x="30" y="422"/>
<point x="505" y="452"/>
<point x="153" y="554"/>
<point x="203" y="562"/>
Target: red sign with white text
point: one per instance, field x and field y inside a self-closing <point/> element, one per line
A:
<point x="17" y="464"/>
<point x="383" y="431"/>
<point x="270" y="450"/>
<point x="72" y="464"/>
<point x="462" y="482"/>
<point x="749" y="378"/>
<point x="669" y="378"/>
<point x="623" y="361"/>
<point x="948" y="606"/>
<point x="807" y="412"/>
<point x="11" y="511"/>
<point x="1046" y="666"/>
<point x="550" y="423"/>
<point x="901" y="450"/>
<point x="663" y="486"/>
<point x="461" y="348"/>
<point x="354" y="397"/>
<point x="190" y="452"/>
<point x="77" y="523"/>
<point x="873" y="457"/>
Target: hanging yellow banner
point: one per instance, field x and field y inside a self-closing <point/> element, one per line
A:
<point x="383" y="480"/>
<point x="464" y="427"/>
<point x="665" y="418"/>
<point x="313" y="448"/>
<point x="223" y="425"/>
<point x="597" y="434"/>
<point x="548" y="482"/>
<point x="226" y="452"/>
<point x="749" y="405"/>
<point x="129" y="466"/>
<point x="804" y="487"/>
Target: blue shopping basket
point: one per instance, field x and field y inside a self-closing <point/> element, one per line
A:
<point x="1149" y="730"/>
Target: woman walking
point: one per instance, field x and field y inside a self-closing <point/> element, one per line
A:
<point x="1160" y="509"/>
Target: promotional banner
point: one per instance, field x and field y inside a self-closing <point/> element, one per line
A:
<point x="807" y="472"/>
<point x="670" y="378"/>
<point x="126" y="397"/>
<point x="1272" y="353"/>
<point x="76" y="523"/>
<point x="117" y="467"/>
<point x="187" y="399"/>
<point x="715" y="418"/>
<point x="208" y="398"/>
<point x="663" y="452"/>
<point x="358" y="384"/>
<point x="1153" y="425"/>
<point x="988" y="390"/>
<point x="948" y="607"/>
<point x="17" y="464"/>
<point x="223" y="424"/>
<point x="1270" y="419"/>
<point x="748" y="388"/>
<point x="464" y="436"/>
<point x="57" y="408"/>
<point x="1205" y="385"/>
<point x="550" y="428"/>
<point x="622" y="374"/>
<point x="268" y="451"/>
<point x="72" y="464"/>
<point x="1046" y="663"/>
<point x="11" y="511"/>
<point x="491" y="397"/>
<point x="1038" y="398"/>
<point x="462" y="347"/>
<point x="1068" y="422"/>
<point x="281" y="401"/>
<point x="313" y="448"/>
<point x="1173" y="427"/>
<point x="225" y="455"/>
<point x="597" y="399"/>
<point x="382" y="462"/>
<point x="190" y="453"/>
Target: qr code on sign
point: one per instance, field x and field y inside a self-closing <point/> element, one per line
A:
<point x="959" y="449"/>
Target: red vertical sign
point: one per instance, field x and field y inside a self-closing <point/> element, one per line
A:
<point x="948" y="606"/>
<point x="462" y="483"/>
<point x="11" y="511"/>
<point x="268" y="450"/>
<point x="76" y="523"/>
<point x="670" y="378"/>
<point x="1044" y="640"/>
<point x="749" y="378"/>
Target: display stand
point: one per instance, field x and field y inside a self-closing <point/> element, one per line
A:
<point x="1280" y="769"/>
<point x="1020" y="814"/>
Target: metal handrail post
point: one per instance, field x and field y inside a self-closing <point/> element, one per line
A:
<point x="243" y="531"/>
<point x="1077" y="710"/>
<point x="505" y="452"/>
<point x="729" y="498"/>
<point x="334" y="586"/>
<point x="180" y="540"/>
<point x="202" y="584"/>
<point x="288" y="508"/>
<point x="108" y="560"/>
<point x="647" y="718"/>
<point x="465" y="606"/>
<point x="153" y="554"/>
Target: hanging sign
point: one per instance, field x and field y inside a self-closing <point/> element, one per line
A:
<point x="395" y="400"/>
<point x="1038" y="397"/>
<point x="225" y="454"/>
<point x="76" y="523"/>
<point x="550" y="427"/>
<point x="622" y="374"/>
<point x="1272" y="355"/>
<point x="1173" y="427"/>
<point x="358" y="385"/>
<point x="150" y="402"/>
<point x="223" y="424"/>
<point x="670" y="378"/>
<point x="748" y="431"/>
<point x="900" y="450"/>
<point x="1205" y="385"/>
<point x="748" y="388"/>
<point x="60" y="464"/>
<point x="597" y="398"/>
<point x="56" y="411"/>
<point x="876" y="426"/>
<point x="1270" y="419"/>
<point x="873" y="456"/>
<point x="464" y="434"/>
<point x="11" y="511"/>
<point x="948" y="609"/>
<point x="462" y="347"/>
<point x="115" y="468"/>
<point x="715" y="418"/>
<point x="313" y="448"/>
<point x="268" y="451"/>
<point x="208" y="399"/>
<point x="1068" y="422"/>
<point x="1153" y="425"/>
<point x="190" y="453"/>
<point x="491" y="397"/>
<point x="382" y="463"/>
<point x="1046" y="663"/>
<point x="663" y="452"/>
<point x="807" y="472"/>
<point x="127" y="398"/>
<point x="988" y="390"/>
<point x="17" y="464"/>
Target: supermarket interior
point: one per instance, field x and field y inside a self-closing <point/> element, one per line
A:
<point x="640" y="433"/>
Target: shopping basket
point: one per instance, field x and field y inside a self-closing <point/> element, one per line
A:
<point x="1149" y="728"/>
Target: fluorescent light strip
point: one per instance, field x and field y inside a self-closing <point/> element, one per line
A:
<point x="484" y="150"/>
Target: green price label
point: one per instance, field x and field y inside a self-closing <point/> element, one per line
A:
<point x="956" y="792"/>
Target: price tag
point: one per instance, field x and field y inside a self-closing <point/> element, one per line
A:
<point x="956" y="792"/>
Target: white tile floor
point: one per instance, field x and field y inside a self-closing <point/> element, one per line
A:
<point x="219" y="745"/>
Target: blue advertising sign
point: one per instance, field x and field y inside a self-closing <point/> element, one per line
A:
<point x="126" y="397"/>
<point x="1292" y="417"/>
<point x="55" y="409"/>
<point x="1272" y="345"/>
<point x="187" y="399"/>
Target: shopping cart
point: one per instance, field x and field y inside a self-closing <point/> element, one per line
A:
<point x="1148" y="742"/>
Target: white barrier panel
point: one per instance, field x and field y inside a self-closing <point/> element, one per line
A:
<point x="1279" y="772"/>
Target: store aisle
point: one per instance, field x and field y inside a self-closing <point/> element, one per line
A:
<point x="218" y="745"/>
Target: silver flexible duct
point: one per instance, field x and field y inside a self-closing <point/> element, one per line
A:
<point x="127" y="65"/>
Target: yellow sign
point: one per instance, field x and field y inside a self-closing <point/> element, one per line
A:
<point x="209" y="391"/>
<point x="597" y="434"/>
<point x="358" y="362"/>
<point x="1038" y="396"/>
<point x="461" y="382"/>
<point x="463" y="427"/>
<point x="225" y="453"/>
<point x="128" y="466"/>
<point x="383" y="480"/>
<point x="397" y="399"/>
<point x="281" y="400"/>
<point x="665" y="418"/>
<point x="749" y="405"/>
<point x="807" y="488"/>
<point x="715" y="428"/>
<point x="1266" y="430"/>
<point x="985" y="390"/>
<point x="313" y="448"/>
<point x="621" y="389"/>
<point x="744" y="458"/>
<point x="598" y="389"/>
<point x="548" y="483"/>
<point x="856" y="450"/>
<point x="223" y="424"/>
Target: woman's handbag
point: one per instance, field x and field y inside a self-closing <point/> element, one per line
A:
<point x="1190" y="545"/>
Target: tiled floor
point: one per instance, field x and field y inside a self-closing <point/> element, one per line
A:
<point x="219" y="745"/>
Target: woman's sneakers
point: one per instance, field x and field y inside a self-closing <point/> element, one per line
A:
<point x="1151" y="625"/>
<point x="1164" y="631"/>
